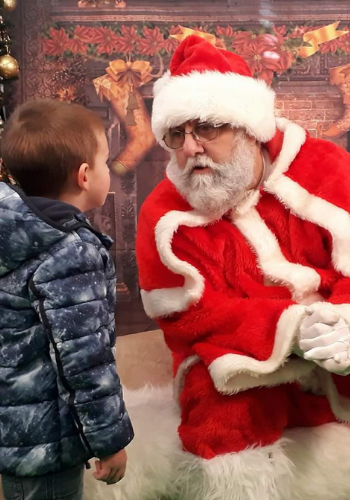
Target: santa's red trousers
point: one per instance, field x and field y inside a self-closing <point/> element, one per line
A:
<point x="214" y="424"/>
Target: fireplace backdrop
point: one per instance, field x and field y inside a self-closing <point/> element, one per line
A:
<point x="107" y="55"/>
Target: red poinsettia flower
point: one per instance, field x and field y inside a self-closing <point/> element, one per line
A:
<point x="126" y="42"/>
<point x="242" y="40"/>
<point x="170" y="44"/>
<point x="259" y="59"/>
<point x="280" y="31"/>
<point x="275" y="50"/>
<point x="299" y="31"/>
<point x="57" y="43"/>
<point x="106" y="40"/>
<point x="152" y="43"/>
<point x="266" y="56"/>
<point x="270" y="42"/>
<point x="266" y="75"/>
<point x="224" y="31"/>
<point x="81" y="37"/>
<point x="287" y="58"/>
<point x="344" y="42"/>
<point x="330" y="46"/>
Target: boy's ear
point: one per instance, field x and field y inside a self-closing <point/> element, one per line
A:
<point x="82" y="176"/>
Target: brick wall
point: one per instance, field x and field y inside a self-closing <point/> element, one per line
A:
<point x="312" y="106"/>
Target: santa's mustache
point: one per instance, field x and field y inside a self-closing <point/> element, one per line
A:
<point x="200" y="161"/>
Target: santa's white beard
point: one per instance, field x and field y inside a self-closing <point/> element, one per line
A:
<point x="222" y="189"/>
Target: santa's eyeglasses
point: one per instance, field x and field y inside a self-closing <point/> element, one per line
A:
<point x="202" y="132"/>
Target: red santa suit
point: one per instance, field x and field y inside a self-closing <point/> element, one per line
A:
<point x="208" y="282"/>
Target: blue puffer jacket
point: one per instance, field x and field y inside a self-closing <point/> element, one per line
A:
<point x="61" y="401"/>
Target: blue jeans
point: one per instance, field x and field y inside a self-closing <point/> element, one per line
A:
<point x="65" y="485"/>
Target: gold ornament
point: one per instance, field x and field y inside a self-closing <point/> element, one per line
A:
<point x="10" y="5"/>
<point x="82" y="4"/>
<point x="119" y="168"/>
<point x="9" y="67"/>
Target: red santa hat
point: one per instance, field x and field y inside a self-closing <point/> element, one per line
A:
<point x="212" y="85"/>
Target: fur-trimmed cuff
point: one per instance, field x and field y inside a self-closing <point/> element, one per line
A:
<point x="233" y="373"/>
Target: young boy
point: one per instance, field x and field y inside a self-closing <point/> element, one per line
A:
<point x="61" y="401"/>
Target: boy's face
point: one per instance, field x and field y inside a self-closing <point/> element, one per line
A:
<point x="99" y="174"/>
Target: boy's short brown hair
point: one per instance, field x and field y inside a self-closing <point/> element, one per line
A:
<point x="45" y="141"/>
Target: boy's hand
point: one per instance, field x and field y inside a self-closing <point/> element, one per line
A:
<point x="111" y="469"/>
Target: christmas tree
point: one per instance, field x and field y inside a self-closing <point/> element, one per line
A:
<point x="9" y="68"/>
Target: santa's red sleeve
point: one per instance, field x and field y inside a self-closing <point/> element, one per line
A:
<point x="315" y="186"/>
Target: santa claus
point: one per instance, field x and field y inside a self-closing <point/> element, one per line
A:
<point x="244" y="261"/>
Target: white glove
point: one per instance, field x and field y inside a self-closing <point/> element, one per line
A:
<point x="325" y="339"/>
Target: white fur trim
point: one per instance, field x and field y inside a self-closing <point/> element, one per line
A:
<point x="320" y="212"/>
<point x="305" y="205"/>
<point x="294" y="370"/>
<point x="166" y="301"/>
<point x="320" y="458"/>
<point x="211" y="96"/>
<point x="232" y="373"/>
<point x="249" y="202"/>
<point x="181" y="373"/>
<point x="161" y="82"/>
<point x="340" y="405"/>
<point x="306" y="464"/>
<point x="293" y="139"/>
<point x="300" y="280"/>
<point x="253" y="474"/>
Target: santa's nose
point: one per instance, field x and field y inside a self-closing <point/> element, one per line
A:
<point x="191" y="146"/>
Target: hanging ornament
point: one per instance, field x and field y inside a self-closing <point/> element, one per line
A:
<point x="5" y="176"/>
<point x="10" y="5"/>
<point x="131" y="106"/>
<point x="87" y="3"/>
<point x="9" y="67"/>
<point x="3" y="173"/>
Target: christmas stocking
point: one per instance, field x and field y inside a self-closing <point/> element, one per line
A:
<point x="119" y="87"/>
<point x="340" y="76"/>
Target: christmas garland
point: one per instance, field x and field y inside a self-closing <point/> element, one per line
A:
<point x="269" y="51"/>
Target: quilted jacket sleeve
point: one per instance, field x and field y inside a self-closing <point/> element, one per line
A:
<point x="73" y="291"/>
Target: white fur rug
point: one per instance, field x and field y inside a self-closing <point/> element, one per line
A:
<point x="307" y="464"/>
<point x="153" y="456"/>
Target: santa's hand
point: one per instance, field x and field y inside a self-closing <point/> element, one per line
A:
<point x="340" y="364"/>
<point x="325" y="339"/>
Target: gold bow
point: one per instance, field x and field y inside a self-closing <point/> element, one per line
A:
<point x="122" y="76"/>
<point x="188" y="31"/>
<point x="321" y="35"/>
<point x="135" y="73"/>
